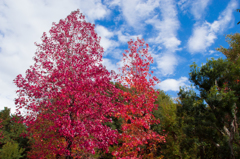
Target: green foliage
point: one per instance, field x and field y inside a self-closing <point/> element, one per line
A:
<point x="232" y="53"/>
<point x="212" y="118"/>
<point x="199" y="124"/>
<point x="169" y="124"/>
<point x="117" y="122"/>
<point x="12" y="131"/>
<point x="167" y="114"/>
<point x="11" y="150"/>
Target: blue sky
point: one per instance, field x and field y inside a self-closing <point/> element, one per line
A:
<point x="179" y="32"/>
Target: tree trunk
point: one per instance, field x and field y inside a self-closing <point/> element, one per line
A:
<point x="69" y="141"/>
<point x="230" y="142"/>
<point x="201" y="150"/>
<point x="232" y="132"/>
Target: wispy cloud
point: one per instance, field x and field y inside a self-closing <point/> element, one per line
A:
<point x="173" y="84"/>
<point x="167" y="31"/>
<point x="204" y="34"/>
<point x="183" y="4"/>
<point x="124" y="38"/>
<point x="166" y="26"/>
<point x="198" y="7"/>
<point x="136" y="11"/>
<point x="113" y="3"/>
<point x="211" y="52"/>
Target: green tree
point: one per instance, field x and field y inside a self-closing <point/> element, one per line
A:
<point x="12" y="134"/>
<point x="176" y="143"/>
<point x="202" y="139"/>
<point x="166" y="112"/>
<point x="212" y="116"/>
<point x="11" y="150"/>
<point x="116" y="123"/>
<point x="232" y="53"/>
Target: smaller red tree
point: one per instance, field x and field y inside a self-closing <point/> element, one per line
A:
<point x="137" y="135"/>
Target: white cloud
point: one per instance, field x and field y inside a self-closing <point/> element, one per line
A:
<point x="106" y="36"/>
<point x="125" y="38"/>
<point x="102" y="31"/>
<point x="166" y="63"/>
<point x="166" y="33"/>
<point x="109" y="65"/>
<point x="167" y="27"/>
<point x="22" y="23"/>
<point x="201" y="39"/>
<point x="113" y="3"/>
<point x="7" y="94"/>
<point x="172" y="84"/>
<point x="211" y="52"/>
<point x="205" y="34"/>
<point x="183" y="4"/>
<point x="225" y="17"/>
<point x="117" y="54"/>
<point x="94" y="9"/>
<point x="136" y="11"/>
<point x="198" y="8"/>
<point x="195" y="7"/>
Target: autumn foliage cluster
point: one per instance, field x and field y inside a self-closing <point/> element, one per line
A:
<point x="67" y="96"/>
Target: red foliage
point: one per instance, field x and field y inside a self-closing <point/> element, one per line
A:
<point x="137" y="113"/>
<point x="68" y="82"/>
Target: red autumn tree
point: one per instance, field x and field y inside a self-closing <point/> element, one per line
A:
<point x="138" y="140"/>
<point x="68" y="82"/>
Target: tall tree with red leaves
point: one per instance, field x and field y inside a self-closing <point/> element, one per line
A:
<point x="68" y="82"/>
